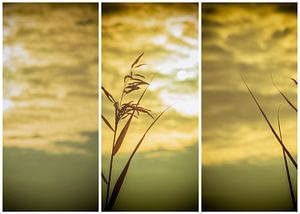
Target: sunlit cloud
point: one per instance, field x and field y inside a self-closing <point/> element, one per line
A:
<point x="7" y="104"/>
<point x="186" y="104"/>
<point x="184" y="75"/>
<point x="169" y="41"/>
<point x="50" y="76"/>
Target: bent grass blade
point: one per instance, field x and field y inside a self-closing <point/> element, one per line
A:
<point x="123" y="133"/>
<point x="270" y="125"/>
<point x="282" y="94"/>
<point x="104" y="179"/>
<point x="286" y="164"/>
<point x="137" y="60"/>
<point x="122" y="176"/>
<point x="295" y="81"/>
<point x="107" y="123"/>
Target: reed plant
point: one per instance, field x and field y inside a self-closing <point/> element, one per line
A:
<point x="278" y="135"/>
<point x="125" y="110"/>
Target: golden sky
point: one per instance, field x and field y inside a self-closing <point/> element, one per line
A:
<point x="168" y="36"/>
<point x="254" y="40"/>
<point x="50" y="76"/>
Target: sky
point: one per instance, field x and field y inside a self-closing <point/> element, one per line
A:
<point x="257" y="41"/>
<point x="167" y="34"/>
<point x="50" y="72"/>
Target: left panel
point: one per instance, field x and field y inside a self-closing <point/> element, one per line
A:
<point x="50" y="134"/>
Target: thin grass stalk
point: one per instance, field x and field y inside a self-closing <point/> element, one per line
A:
<point x="282" y="94"/>
<point x="295" y="81"/>
<point x="111" y="164"/>
<point x="132" y="82"/>
<point x="286" y="164"/>
<point x="117" y="144"/>
<point x="290" y="182"/>
<point x="122" y="176"/>
<point x="287" y="100"/>
<point x="107" y="123"/>
<point x="270" y="125"/>
<point x="152" y="124"/>
<point x="104" y="178"/>
<point x="123" y="133"/>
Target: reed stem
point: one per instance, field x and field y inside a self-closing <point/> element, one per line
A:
<point x="286" y="164"/>
<point x="290" y="182"/>
<point x="111" y="164"/>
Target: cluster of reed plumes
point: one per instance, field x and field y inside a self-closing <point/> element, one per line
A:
<point x="133" y="82"/>
<point x="278" y="135"/>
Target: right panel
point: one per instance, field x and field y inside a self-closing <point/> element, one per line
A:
<point x="249" y="107"/>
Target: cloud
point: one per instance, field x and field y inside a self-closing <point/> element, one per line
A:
<point x="254" y="41"/>
<point x="168" y="35"/>
<point x="50" y="74"/>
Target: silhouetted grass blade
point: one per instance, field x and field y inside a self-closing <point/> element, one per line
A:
<point x="141" y="140"/>
<point x="270" y="125"/>
<point x="123" y="133"/>
<point x="139" y="75"/>
<point x="121" y="178"/>
<point x="282" y="94"/>
<point x="107" y="123"/>
<point x="289" y="102"/>
<point x="132" y="82"/>
<point x="286" y="164"/>
<point x="104" y="179"/>
<point x="137" y="60"/>
<point x="117" y="187"/>
<point x="121" y="136"/>
<point x="108" y="95"/>
<point x="295" y="81"/>
<point x="140" y="65"/>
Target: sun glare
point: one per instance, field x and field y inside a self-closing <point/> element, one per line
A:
<point x="7" y="104"/>
<point x="186" y="104"/>
<point x="183" y="75"/>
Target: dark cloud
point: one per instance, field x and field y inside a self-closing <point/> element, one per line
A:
<point x="110" y="8"/>
<point x="244" y="41"/>
<point x="245" y="111"/>
<point x="86" y="22"/>
<point x="216" y="49"/>
<point x="208" y="8"/>
<point x="90" y="145"/>
<point x="208" y="35"/>
<point x="281" y="33"/>
<point x="289" y="8"/>
<point x="209" y="23"/>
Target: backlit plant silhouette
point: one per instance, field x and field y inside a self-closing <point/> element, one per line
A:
<point x="279" y="136"/>
<point x="125" y="110"/>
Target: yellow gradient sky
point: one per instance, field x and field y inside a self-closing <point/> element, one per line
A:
<point x="169" y="40"/>
<point x="50" y="76"/>
<point x="254" y="40"/>
<point x="167" y="33"/>
<point x="242" y="162"/>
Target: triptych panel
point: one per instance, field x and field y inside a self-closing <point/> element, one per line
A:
<point x="176" y="106"/>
